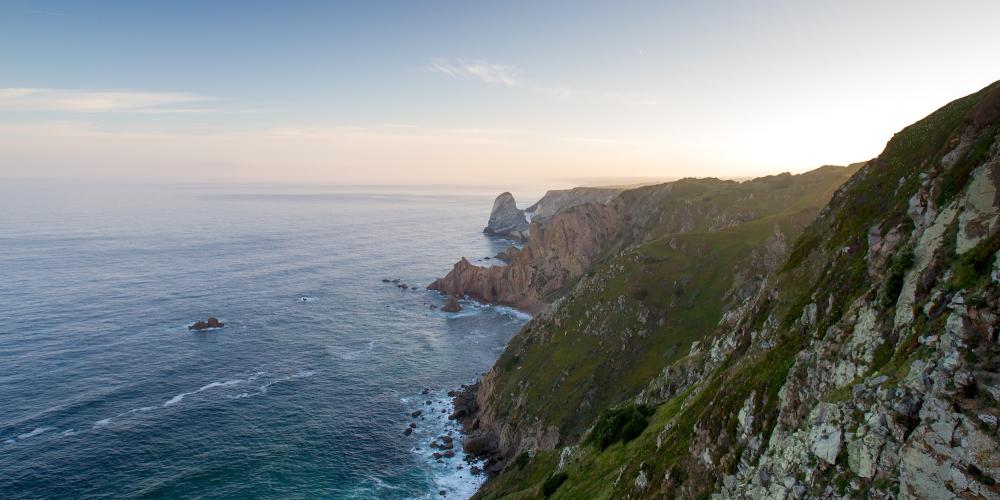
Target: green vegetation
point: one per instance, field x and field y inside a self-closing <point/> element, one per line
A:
<point x="639" y="310"/>
<point x="973" y="267"/>
<point x="553" y="483"/>
<point x="958" y="175"/>
<point x="894" y="281"/>
<point x="620" y="424"/>
<point x="522" y="460"/>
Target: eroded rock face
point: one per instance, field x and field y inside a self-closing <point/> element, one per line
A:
<point x="507" y="220"/>
<point x="559" y="199"/>
<point x="557" y="253"/>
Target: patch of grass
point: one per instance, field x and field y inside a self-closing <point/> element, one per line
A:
<point x="553" y="482"/>
<point x="894" y="281"/>
<point x="958" y="175"/>
<point x="620" y="424"/>
<point x="521" y="460"/>
<point x="973" y="267"/>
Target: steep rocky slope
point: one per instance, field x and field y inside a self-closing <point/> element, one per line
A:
<point x="864" y="364"/>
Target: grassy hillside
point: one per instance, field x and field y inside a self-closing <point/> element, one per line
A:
<point x="639" y="309"/>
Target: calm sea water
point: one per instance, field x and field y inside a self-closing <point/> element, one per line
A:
<point x="306" y="390"/>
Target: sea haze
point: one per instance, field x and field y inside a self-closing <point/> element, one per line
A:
<point x="306" y="390"/>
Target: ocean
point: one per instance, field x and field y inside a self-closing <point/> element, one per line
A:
<point x="306" y="390"/>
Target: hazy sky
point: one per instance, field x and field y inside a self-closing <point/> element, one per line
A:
<point x="461" y="92"/>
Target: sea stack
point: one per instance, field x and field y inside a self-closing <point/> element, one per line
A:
<point x="507" y="220"/>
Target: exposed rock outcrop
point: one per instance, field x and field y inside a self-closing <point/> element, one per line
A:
<point x="558" y="199"/>
<point x="507" y="220"/>
<point x="557" y="253"/>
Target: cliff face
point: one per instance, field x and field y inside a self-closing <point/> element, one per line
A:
<point x="559" y="199"/>
<point x="858" y="359"/>
<point x="557" y="252"/>
<point x="506" y="219"/>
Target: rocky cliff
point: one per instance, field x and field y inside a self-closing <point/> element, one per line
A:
<point x="738" y="355"/>
<point x="559" y="199"/>
<point x="506" y="219"/>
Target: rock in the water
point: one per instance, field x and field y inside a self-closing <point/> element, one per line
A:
<point x="481" y="444"/>
<point x="417" y="413"/>
<point x="407" y="431"/>
<point x="451" y="305"/>
<point x="508" y="254"/>
<point x="205" y="325"/>
<point x="507" y="220"/>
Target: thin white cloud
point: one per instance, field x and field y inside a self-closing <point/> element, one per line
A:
<point x="492" y="73"/>
<point x="511" y="76"/>
<point x="99" y="101"/>
<point x="603" y="140"/>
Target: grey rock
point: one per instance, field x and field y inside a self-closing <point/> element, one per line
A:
<point x="507" y="220"/>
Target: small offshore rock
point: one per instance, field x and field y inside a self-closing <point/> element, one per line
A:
<point x="408" y="431"/>
<point x="451" y="305"/>
<point x="417" y="413"/>
<point x="204" y="325"/>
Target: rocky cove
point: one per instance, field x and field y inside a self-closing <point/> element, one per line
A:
<point x="830" y="334"/>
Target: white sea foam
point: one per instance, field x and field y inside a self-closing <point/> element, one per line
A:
<point x="514" y="313"/>
<point x="180" y="397"/>
<point x="458" y="483"/>
<point x="102" y="422"/>
<point x="69" y="432"/>
<point x="298" y="375"/>
<point x="37" y="431"/>
<point x="473" y="308"/>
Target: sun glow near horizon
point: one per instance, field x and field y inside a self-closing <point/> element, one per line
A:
<point x="641" y="90"/>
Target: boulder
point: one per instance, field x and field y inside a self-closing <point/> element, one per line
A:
<point x="451" y="305"/>
<point x="481" y="444"/>
<point x="417" y="413"/>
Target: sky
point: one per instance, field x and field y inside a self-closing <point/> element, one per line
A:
<point x="417" y="92"/>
